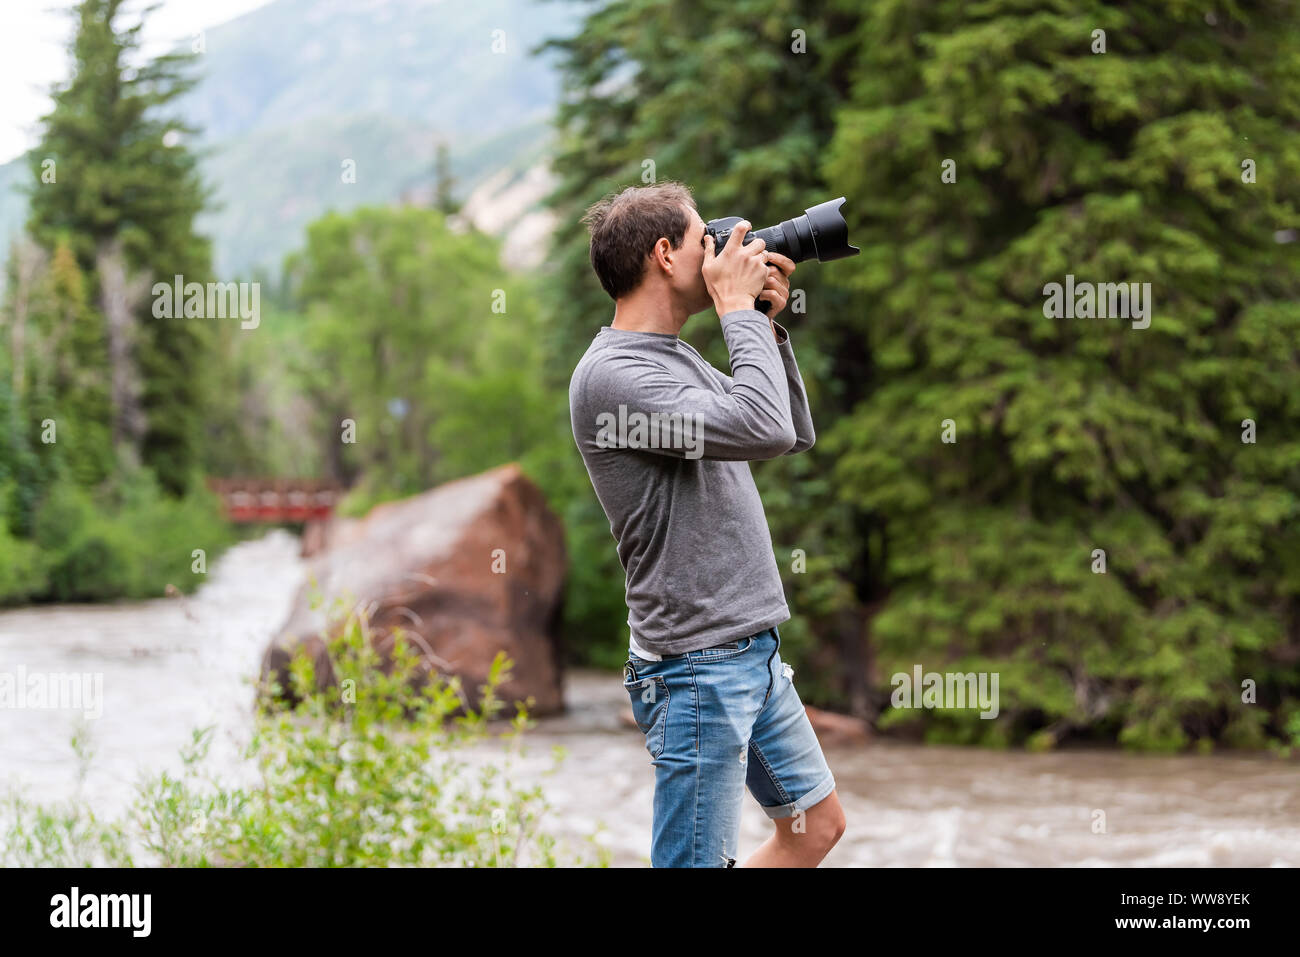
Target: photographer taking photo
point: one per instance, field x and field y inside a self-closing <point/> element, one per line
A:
<point x="666" y="439"/>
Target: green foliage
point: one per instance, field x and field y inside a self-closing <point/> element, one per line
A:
<point x="382" y="320"/>
<point x="21" y="575"/>
<point x="69" y="834"/>
<point x="1087" y="433"/>
<point x="385" y="767"/>
<point x="121" y="182"/>
<point x="124" y="540"/>
<point x="69" y="369"/>
<point x="257" y="421"/>
<point x="416" y="334"/>
<point x="101" y="402"/>
<point x="23" y="472"/>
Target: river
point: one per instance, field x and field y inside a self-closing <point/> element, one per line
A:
<point x="170" y="665"/>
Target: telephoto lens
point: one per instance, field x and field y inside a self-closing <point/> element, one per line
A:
<point x="820" y="233"/>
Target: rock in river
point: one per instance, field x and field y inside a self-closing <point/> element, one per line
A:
<point x="472" y="567"/>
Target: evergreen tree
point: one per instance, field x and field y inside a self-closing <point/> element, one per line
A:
<point x="23" y="473"/>
<point x="111" y="173"/>
<point x="444" y="182"/>
<point x="1109" y="143"/>
<point x="75" y="392"/>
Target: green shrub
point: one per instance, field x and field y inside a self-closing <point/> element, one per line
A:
<point x="125" y="540"/>
<point x="21" y="572"/>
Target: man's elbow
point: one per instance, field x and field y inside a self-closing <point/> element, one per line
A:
<point x="802" y="443"/>
<point x="780" y="441"/>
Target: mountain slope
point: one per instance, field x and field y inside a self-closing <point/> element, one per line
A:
<point x="420" y="60"/>
<point x="290" y="91"/>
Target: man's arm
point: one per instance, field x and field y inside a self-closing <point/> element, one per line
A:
<point x="776" y="290"/>
<point x="800" y="414"/>
<point x="751" y="421"/>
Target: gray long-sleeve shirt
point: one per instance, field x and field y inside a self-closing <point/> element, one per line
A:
<point x="667" y="440"/>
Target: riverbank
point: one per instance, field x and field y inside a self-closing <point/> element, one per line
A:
<point x="170" y="665"/>
<point x="910" y="805"/>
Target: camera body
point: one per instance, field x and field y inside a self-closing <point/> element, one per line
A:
<point x="820" y="233"/>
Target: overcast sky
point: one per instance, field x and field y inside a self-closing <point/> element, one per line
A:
<point x="33" y="52"/>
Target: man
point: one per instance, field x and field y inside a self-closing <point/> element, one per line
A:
<point x="666" y="439"/>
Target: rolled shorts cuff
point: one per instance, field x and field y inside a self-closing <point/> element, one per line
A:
<point x="805" y="801"/>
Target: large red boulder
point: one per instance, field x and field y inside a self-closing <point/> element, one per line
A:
<point x="467" y="569"/>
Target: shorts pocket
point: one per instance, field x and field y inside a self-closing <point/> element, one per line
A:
<point x="721" y="652"/>
<point x="649" y="697"/>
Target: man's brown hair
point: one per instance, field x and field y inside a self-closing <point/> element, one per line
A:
<point x="625" y="226"/>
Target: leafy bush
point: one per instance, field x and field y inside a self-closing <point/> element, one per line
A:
<point x="21" y="574"/>
<point x="127" y="540"/>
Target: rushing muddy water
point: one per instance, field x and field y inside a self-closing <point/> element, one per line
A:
<point x="175" y="664"/>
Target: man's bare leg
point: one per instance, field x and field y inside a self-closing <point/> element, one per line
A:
<point x="820" y="827"/>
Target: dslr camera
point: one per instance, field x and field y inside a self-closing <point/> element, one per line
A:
<point x="820" y="233"/>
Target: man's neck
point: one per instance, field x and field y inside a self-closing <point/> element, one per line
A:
<point x="632" y="315"/>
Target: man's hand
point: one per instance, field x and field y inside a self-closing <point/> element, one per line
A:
<point x="777" y="287"/>
<point x="737" y="277"/>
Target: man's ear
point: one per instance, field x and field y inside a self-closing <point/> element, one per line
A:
<point x="664" y="246"/>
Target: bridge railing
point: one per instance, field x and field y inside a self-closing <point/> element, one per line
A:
<point x="276" y="500"/>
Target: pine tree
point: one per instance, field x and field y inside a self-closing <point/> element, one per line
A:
<point x="79" y="393"/>
<point x="23" y="473"/>
<point x="444" y="182"/>
<point x="1004" y="148"/>
<point x="111" y="173"/>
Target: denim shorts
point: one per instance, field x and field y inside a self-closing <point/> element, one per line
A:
<point x="716" y="721"/>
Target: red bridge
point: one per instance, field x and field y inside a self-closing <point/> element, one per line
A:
<point x="276" y="500"/>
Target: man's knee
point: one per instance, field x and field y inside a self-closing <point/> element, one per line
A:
<point x="823" y="823"/>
